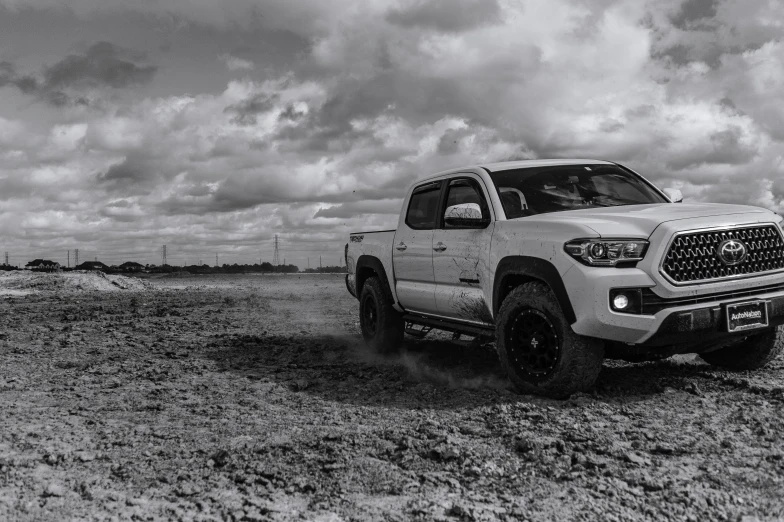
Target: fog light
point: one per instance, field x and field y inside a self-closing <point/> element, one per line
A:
<point x="620" y="302"/>
<point x="626" y="300"/>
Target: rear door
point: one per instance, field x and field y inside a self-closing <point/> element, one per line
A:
<point x="412" y="251"/>
<point x="461" y="255"/>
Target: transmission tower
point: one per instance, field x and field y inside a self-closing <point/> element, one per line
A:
<point x="69" y="259"/>
<point x="163" y="255"/>
<point x="216" y="259"/>
<point x="276" y="254"/>
<point x="6" y="259"/>
<point x="76" y="257"/>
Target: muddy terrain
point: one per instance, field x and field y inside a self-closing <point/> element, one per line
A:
<point x="252" y="398"/>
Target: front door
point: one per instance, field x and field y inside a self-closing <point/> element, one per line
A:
<point x="412" y="251"/>
<point x="461" y="256"/>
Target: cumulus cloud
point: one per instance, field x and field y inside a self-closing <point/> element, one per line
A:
<point x="445" y="15"/>
<point x="70" y="80"/>
<point x="690" y="93"/>
<point x="360" y="208"/>
<point x="234" y="63"/>
<point x="304" y="16"/>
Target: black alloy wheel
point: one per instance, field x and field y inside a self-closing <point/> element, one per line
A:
<point x="382" y="326"/>
<point x="538" y="348"/>
<point x="534" y="345"/>
<point x="370" y="314"/>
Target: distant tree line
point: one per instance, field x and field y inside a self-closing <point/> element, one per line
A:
<point x="131" y="267"/>
<point x="265" y="268"/>
<point x="326" y="270"/>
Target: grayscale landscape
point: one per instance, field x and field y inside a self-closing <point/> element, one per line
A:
<point x="392" y="260"/>
<point x="254" y="398"/>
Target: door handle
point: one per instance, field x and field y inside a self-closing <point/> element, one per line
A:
<point x="401" y="246"/>
<point x="440" y="247"/>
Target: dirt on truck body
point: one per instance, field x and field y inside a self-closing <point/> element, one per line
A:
<point x="253" y="398"/>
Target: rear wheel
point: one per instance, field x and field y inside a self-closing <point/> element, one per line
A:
<point x="382" y="326"/>
<point x="752" y="353"/>
<point x="538" y="349"/>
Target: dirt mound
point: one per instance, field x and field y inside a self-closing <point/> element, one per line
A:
<point x="21" y="282"/>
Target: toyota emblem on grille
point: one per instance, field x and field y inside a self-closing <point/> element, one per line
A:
<point x="732" y="251"/>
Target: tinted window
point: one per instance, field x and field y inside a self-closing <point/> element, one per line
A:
<point x="462" y="191"/>
<point x="423" y="207"/>
<point x="570" y="187"/>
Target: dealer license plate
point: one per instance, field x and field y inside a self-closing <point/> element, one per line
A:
<point x="745" y="316"/>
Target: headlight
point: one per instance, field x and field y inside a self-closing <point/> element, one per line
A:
<point x="609" y="252"/>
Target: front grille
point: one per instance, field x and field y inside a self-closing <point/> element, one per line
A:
<point x="693" y="256"/>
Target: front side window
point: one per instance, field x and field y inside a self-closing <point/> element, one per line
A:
<point x="539" y="190"/>
<point x="464" y="197"/>
<point x="422" y="211"/>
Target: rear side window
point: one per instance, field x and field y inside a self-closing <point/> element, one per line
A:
<point x="422" y="211"/>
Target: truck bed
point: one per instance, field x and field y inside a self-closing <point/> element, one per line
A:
<point x="377" y="244"/>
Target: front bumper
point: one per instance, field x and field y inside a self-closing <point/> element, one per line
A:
<point x="707" y="324"/>
<point x="682" y="319"/>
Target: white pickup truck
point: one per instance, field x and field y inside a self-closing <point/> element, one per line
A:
<point x="566" y="262"/>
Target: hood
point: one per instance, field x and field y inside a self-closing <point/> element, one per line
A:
<point x="641" y="220"/>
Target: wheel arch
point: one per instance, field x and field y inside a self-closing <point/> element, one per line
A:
<point x="513" y="271"/>
<point x="369" y="266"/>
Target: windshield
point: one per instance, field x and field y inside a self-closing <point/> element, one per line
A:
<point x="538" y="190"/>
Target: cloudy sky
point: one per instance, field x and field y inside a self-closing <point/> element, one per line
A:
<point x="210" y="126"/>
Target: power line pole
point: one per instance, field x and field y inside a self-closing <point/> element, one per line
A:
<point x="69" y="259"/>
<point x="6" y="259"/>
<point x="163" y="255"/>
<point x="276" y="254"/>
<point x="319" y="262"/>
<point x="76" y="257"/>
<point x="216" y="260"/>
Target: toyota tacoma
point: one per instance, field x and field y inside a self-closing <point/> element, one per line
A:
<point x="566" y="262"/>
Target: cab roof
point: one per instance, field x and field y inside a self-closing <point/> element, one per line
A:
<point x="509" y="165"/>
<point x="521" y="164"/>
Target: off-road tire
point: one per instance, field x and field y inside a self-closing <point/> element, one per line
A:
<point x="752" y="353"/>
<point x="383" y="327"/>
<point x="578" y="361"/>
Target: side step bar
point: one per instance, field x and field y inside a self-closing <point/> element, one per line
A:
<point x="419" y="334"/>
<point x="449" y="326"/>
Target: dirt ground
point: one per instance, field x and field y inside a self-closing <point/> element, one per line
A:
<point x="252" y="398"/>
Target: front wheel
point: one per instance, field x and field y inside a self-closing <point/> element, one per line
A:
<point x="752" y="353"/>
<point x="538" y="349"/>
<point x="382" y="326"/>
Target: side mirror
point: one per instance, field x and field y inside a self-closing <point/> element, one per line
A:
<point x="465" y="215"/>
<point x="674" y="195"/>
